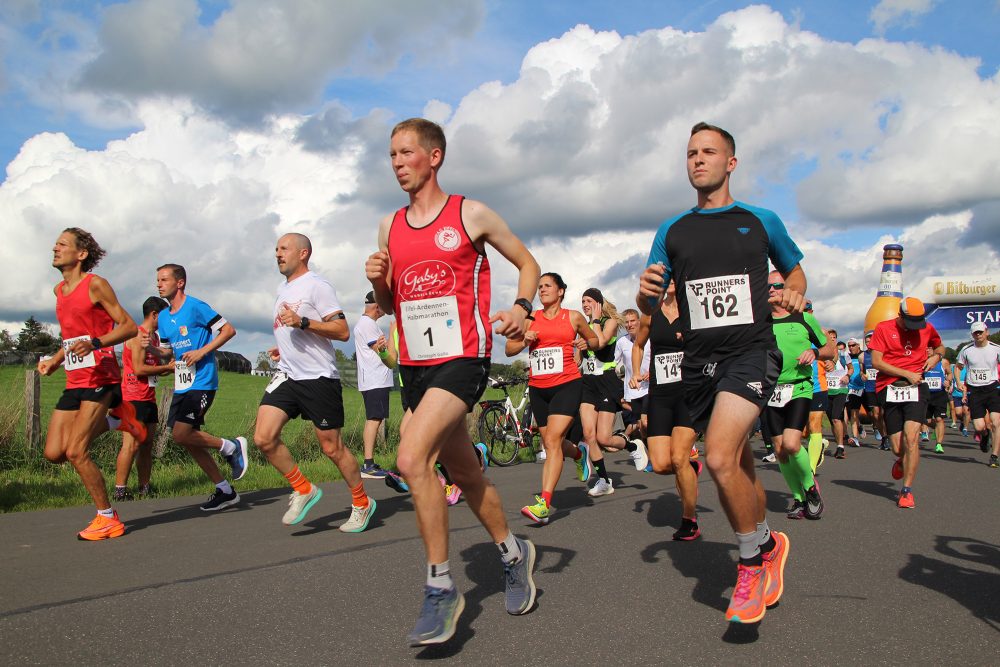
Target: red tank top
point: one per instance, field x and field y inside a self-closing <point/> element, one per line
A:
<point x="440" y="289"/>
<point x="137" y="387"/>
<point x="551" y="354"/>
<point x="80" y="318"/>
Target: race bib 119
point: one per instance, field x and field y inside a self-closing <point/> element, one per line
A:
<point x="546" y="361"/>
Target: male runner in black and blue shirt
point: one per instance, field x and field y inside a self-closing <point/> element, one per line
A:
<point x="717" y="253"/>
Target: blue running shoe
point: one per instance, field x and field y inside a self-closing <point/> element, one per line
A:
<point x="584" y="467"/>
<point x="238" y="460"/>
<point x="484" y="459"/>
<point x="438" y="616"/>
<point x="520" y="593"/>
<point x="396" y="482"/>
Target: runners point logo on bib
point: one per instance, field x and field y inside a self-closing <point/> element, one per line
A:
<point x="426" y="280"/>
<point x="447" y="239"/>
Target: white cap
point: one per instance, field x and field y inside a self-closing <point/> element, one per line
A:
<point x="978" y="326"/>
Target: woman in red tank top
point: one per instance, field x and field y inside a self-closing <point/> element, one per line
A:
<point x="554" y="386"/>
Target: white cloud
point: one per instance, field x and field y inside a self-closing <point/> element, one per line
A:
<point x="898" y="12"/>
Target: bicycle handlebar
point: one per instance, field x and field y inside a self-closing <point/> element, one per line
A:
<point x="499" y="383"/>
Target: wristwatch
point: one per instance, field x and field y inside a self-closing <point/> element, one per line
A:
<point x="304" y="324"/>
<point x="95" y="343"/>
<point x="524" y="303"/>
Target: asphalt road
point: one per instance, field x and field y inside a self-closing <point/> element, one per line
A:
<point x="867" y="584"/>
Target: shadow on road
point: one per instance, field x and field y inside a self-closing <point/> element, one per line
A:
<point x="976" y="590"/>
<point x="248" y="501"/>
<point x="710" y="564"/>
<point x="664" y="511"/>
<point x="778" y="501"/>
<point x="880" y="489"/>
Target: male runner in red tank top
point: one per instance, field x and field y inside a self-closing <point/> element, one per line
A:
<point x="431" y="272"/>
<point x="92" y="323"/>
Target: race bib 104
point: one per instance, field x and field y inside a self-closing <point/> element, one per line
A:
<point x="74" y="361"/>
<point x="719" y="302"/>
<point x="431" y="328"/>
<point x="667" y="367"/>
<point x="183" y="376"/>
<point x="546" y="360"/>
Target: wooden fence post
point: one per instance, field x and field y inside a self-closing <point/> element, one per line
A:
<point x="162" y="434"/>
<point x="32" y="408"/>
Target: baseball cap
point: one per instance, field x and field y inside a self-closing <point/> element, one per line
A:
<point x="852" y="341"/>
<point x="370" y="297"/>
<point x="912" y="311"/>
<point x="978" y="326"/>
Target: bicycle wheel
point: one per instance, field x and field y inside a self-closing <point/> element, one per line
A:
<point x="499" y="436"/>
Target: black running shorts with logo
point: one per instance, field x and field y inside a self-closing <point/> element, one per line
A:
<point x="71" y="398"/>
<point x="982" y="400"/>
<point x="146" y="412"/>
<point x="464" y="378"/>
<point x="897" y="414"/>
<point x="190" y="407"/>
<point x="820" y="399"/>
<point x="793" y="415"/>
<point x="751" y="375"/>
<point x="604" y="391"/>
<point x="562" y="399"/>
<point x="937" y="404"/>
<point x="835" y="406"/>
<point x="319" y="400"/>
<point x="635" y="412"/>
<point x="665" y="412"/>
<point x="376" y="403"/>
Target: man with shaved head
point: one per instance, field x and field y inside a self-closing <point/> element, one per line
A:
<point x="307" y="316"/>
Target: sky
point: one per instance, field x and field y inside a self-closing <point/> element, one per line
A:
<point x="199" y="132"/>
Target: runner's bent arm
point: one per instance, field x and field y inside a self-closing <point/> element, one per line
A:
<point x="226" y="332"/>
<point x="587" y="339"/>
<point x="889" y="369"/>
<point x="139" y="365"/>
<point x="101" y="294"/>
<point x="793" y="296"/>
<point x="638" y="347"/>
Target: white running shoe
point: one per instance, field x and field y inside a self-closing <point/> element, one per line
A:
<point x="299" y="505"/>
<point x="602" y="488"/>
<point x="540" y="456"/>
<point x="360" y="516"/>
<point x="770" y="458"/>
<point x="639" y="457"/>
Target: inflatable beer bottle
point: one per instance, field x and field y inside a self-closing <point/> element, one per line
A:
<point x="890" y="288"/>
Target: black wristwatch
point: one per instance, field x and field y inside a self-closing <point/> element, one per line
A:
<point x="95" y="343"/>
<point x="304" y="324"/>
<point x="524" y="303"/>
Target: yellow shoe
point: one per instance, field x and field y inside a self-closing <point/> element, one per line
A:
<point x="102" y="528"/>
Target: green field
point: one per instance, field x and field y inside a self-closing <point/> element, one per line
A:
<point x="28" y="481"/>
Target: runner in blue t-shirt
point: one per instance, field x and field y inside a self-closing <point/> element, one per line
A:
<point x="959" y="413"/>
<point x="868" y="399"/>
<point x="855" y="389"/>
<point x="192" y="331"/>
<point x="938" y="381"/>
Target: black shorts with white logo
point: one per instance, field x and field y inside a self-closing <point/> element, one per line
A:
<point x="71" y="398"/>
<point x="665" y="412"/>
<point x="937" y="404"/>
<point x="820" y="399"/>
<point x="982" y="400"/>
<point x="146" y="411"/>
<point x="869" y="399"/>
<point x="190" y="407"/>
<point x="464" y="378"/>
<point x="854" y="402"/>
<point x="793" y="415"/>
<point x="604" y="391"/>
<point x="751" y="375"/>
<point x="562" y="399"/>
<point x="897" y="414"/>
<point x="319" y="400"/>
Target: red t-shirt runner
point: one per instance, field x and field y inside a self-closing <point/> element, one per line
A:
<point x="138" y="387"/>
<point x="440" y="289"/>
<point x="80" y="318"/>
<point x="550" y="358"/>
<point x="902" y="348"/>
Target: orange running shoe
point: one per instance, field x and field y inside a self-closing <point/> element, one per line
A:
<point x="774" y="563"/>
<point x="102" y="528"/>
<point x="694" y="451"/>
<point x="747" y="604"/>
<point x="130" y="424"/>
<point x="905" y="500"/>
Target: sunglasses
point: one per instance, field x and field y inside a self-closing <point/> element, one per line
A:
<point x="978" y="332"/>
<point x="809" y="308"/>
<point x="776" y="285"/>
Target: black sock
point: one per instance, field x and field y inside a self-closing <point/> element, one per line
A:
<point x="601" y="471"/>
<point x="369" y="462"/>
<point x="768" y="546"/>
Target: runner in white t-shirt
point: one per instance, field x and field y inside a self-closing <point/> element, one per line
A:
<point x="634" y="402"/>
<point x="307" y="316"/>
<point x="374" y="380"/>
<point x="981" y="359"/>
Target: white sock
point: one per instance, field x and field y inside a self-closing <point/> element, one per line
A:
<point x="510" y="551"/>
<point x="439" y="576"/>
<point x="225" y="487"/>
<point x="749" y="548"/>
<point x="108" y="513"/>
<point x="228" y="447"/>
<point x="763" y="533"/>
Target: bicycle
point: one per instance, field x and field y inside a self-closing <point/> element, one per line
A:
<point x="505" y="428"/>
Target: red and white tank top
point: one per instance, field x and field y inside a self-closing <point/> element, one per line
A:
<point x="79" y="318"/>
<point x="440" y="289"/>
<point x="139" y="387"/>
<point x="550" y="356"/>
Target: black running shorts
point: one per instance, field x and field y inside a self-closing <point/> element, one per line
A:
<point x="562" y="399"/>
<point x="71" y="398"/>
<point x="319" y="400"/>
<point x="464" y="378"/>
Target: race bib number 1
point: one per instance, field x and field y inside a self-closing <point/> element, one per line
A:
<point x="909" y="394"/>
<point x="546" y="361"/>
<point x="183" y="376"/>
<point x="667" y="367"/>
<point x="431" y="328"/>
<point x="719" y="302"/>
<point x="782" y="394"/>
<point x="75" y="362"/>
